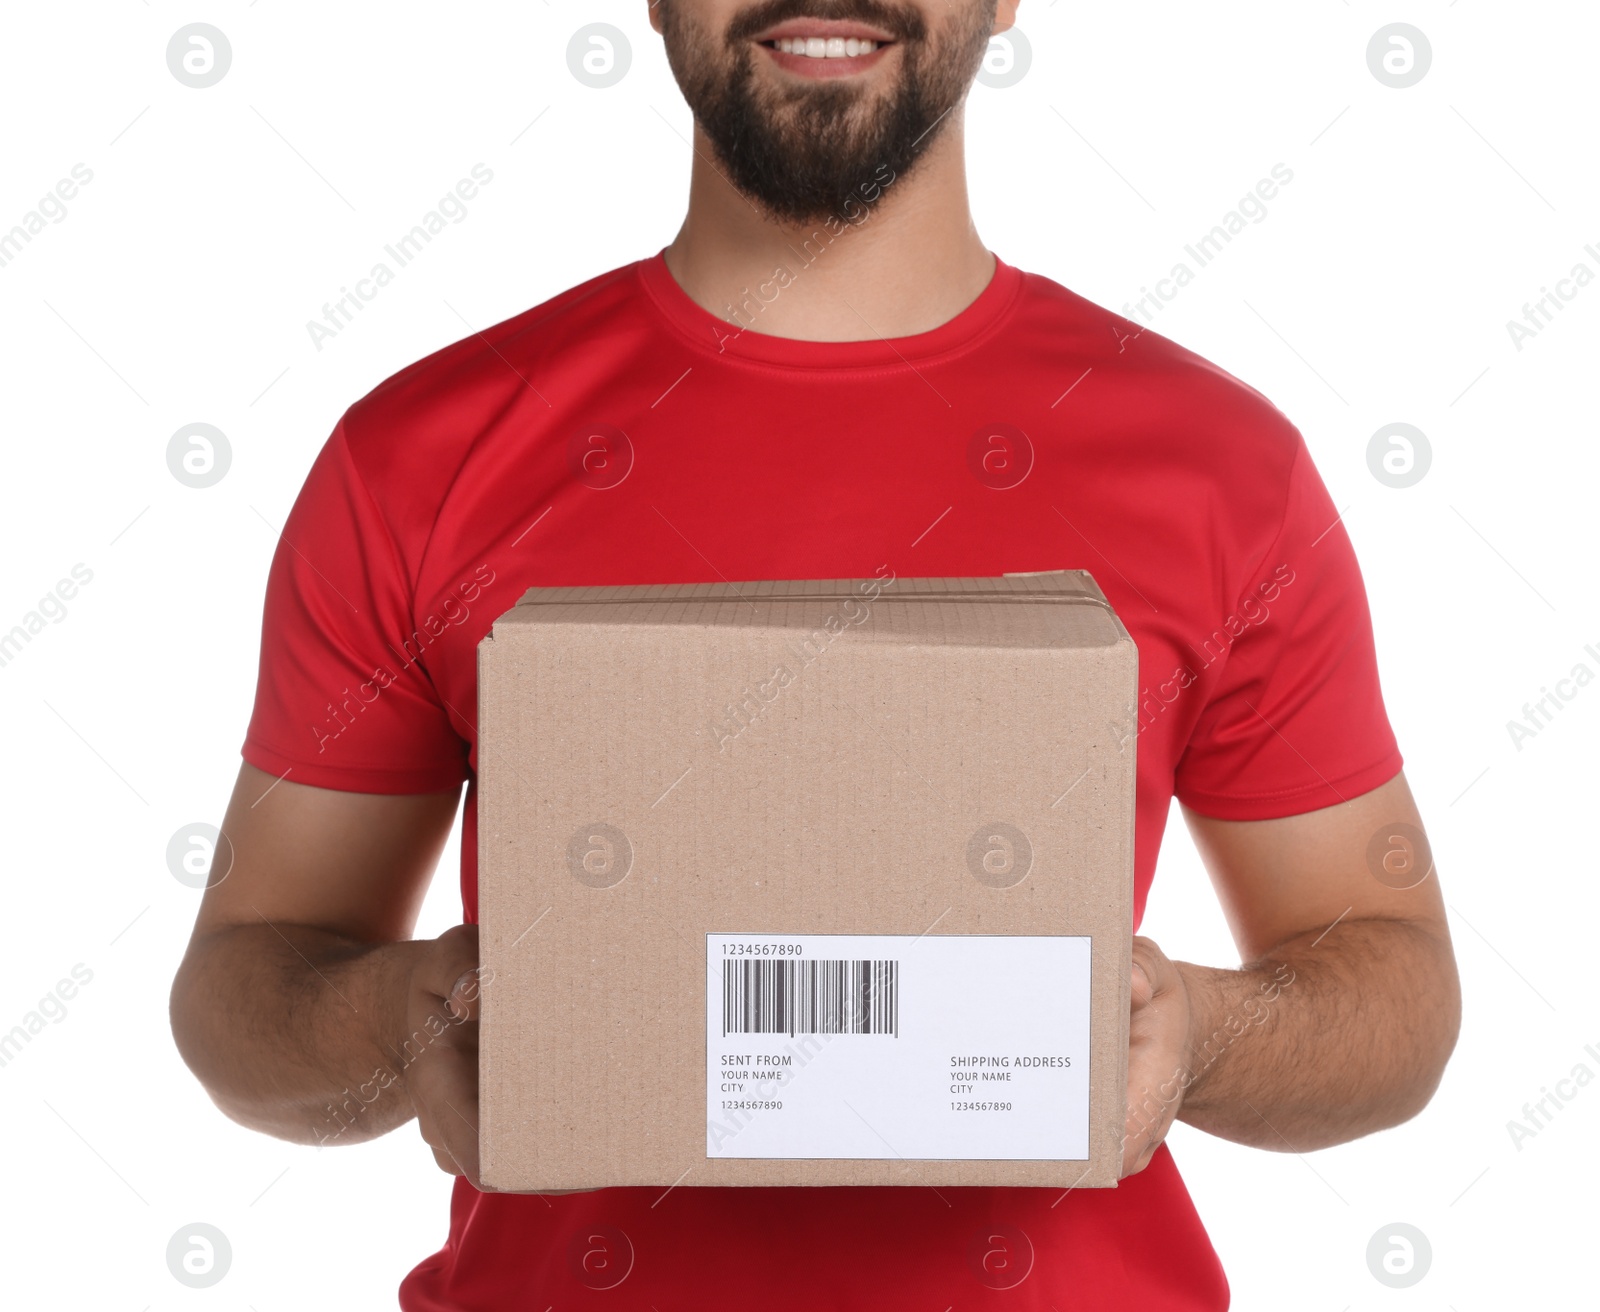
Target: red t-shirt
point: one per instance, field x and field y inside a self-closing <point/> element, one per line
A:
<point x="619" y="434"/>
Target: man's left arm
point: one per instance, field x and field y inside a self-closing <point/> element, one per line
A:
<point x="1347" y="1008"/>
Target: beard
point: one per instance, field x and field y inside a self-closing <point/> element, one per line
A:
<point x="804" y="152"/>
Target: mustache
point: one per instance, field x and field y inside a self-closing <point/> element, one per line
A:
<point x="901" y="22"/>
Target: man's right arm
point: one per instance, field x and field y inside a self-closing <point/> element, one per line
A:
<point x="302" y="1004"/>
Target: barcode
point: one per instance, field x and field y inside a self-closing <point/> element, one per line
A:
<point x="810" y="997"/>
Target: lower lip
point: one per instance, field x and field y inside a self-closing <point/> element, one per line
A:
<point x="822" y="69"/>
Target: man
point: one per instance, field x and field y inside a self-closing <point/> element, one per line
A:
<point x="825" y="373"/>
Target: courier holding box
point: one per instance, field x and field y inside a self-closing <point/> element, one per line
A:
<point x="821" y="882"/>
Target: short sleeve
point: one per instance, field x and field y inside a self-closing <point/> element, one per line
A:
<point x="1295" y="721"/>
<point x="343" y="697"/>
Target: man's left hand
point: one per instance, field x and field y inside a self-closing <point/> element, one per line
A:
<point x="1158" y="1053"/>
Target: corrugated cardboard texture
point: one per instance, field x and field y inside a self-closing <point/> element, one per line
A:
<point x="840" y="801"/>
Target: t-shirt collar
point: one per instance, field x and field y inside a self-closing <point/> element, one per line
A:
<point x="727" y="339"/>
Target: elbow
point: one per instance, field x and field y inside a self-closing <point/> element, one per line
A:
<point x="201" y="1031"/>
<point x="1422" y="1052"/>
<point x="185" y="1018"/>
<point x="1427" y="1069"/>
<point x="1420" y="1040"/>
<point x="199" y="1027"/>
<point x="195" y="1025"/>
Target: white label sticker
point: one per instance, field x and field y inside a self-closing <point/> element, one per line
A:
<point x="931" y="1047"/>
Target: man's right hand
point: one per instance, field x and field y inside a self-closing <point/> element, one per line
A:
<point x="302" y="987"/>
<point x="439" y="1048"/>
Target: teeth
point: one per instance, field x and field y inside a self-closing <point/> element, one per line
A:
<point x="817" y="47"/>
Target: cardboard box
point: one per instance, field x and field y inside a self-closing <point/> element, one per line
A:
<point x="806" y="883"/>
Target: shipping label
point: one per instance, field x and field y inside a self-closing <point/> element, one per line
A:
<point x="918" y="1047"/>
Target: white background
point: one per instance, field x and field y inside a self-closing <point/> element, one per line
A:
<point x="219" y="221"/>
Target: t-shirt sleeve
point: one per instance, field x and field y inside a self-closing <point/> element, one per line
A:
<point x="1295" y="721"/>
<point x="343" y="698"/>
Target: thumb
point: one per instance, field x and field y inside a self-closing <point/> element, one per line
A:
<point x="462" y="1001"/>
<point x="1143" y="989"/>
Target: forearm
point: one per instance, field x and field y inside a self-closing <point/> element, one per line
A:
<point x="287" y="1026"/>
<point x="1328" y="1037"/>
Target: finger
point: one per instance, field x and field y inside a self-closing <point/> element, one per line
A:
<point x="1153" y="973"/>
<point x="460" y="1120"/>
<point x="451" y="955"/>
<point x="452" y="1138"/>
<point x="1150" y="959"/>
<point x="465" y="999"/>
<point x="1136" y="1129"/>
<point x="431" y="1136"/>
<point x="445" y="1088"/>
<point x="1142" y="975"/>
<point x="1140" y="1143"/>
<point x="1135" y="1145"/>
<point x="1143" y="990"/>
<point x="1152" y="1147"/>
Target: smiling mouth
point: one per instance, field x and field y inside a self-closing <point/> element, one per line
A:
<point x="825" y="47"/>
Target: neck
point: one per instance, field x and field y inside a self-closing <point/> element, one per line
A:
<point x="913" y="263"/>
